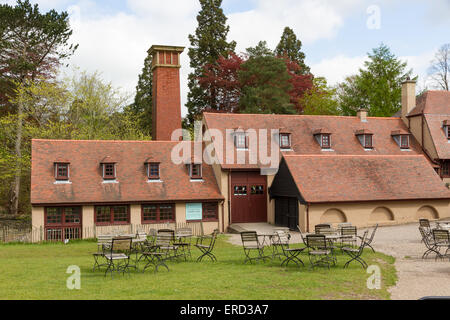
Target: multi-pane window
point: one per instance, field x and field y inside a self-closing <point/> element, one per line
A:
<point x="446" y="169"/>
<point x="63" y="215"/>
<point x="285" y="141"/>
<point x="326" y="142"/>
<point x="109" y="171"/>
<point x="241" y="140"/>
<point x="257" y="190"/>
<point x="447" y="131"/>
<point x="196" y="171"/>
<point x="210" y="211"/>
<point x="105" y="215"/>
<point x="157" y="213"/>
<point x="240" y="190"/>
<point x="404" y="141"/>
<point x="61" y="171"/>
<point x="153" y="171"/>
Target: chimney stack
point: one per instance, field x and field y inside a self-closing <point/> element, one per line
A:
<point x="408" y="98"/>
<point x="362" y="114"/>
<point x="166" y="115"/>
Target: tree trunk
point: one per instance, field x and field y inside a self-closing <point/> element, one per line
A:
<point x="17" y="180"/>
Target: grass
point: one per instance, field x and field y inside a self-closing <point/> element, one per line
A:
<point x="38" y="271"/>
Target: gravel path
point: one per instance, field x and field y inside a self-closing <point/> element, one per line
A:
<point x="417" y="278"/>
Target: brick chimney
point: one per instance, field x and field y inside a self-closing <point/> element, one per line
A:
<point x="362" y="114"/>
<point x="408" y="98"/>
<point x="166" y="91"/>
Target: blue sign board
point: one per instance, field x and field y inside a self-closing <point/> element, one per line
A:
<point x="193" y="211"/>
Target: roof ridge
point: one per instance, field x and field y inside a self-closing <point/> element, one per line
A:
<point x="110" y="141"/>
<point x="354" y="155"/>
<point x="296" y="115"/>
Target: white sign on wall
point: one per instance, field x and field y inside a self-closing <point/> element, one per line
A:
<point x="193" y="211"/>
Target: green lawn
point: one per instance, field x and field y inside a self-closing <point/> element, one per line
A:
<point x="38" y="271"/>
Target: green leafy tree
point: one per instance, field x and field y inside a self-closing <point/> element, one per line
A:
<point x="290" y="47"/>
<point x="207" y="44"/>
<point x="377" y="87"/>
<point x="265" y="86"/>
<point x="33" y="45"/>
<point x="261" y="50"/>
<point x="320" y="99"/>
<point x="142" y="107"/>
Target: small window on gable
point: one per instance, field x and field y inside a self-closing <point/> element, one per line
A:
<point x="326" y="141"/>
<point x="195" y="171"/>
<point x="109" y="171"/>
<point x="365" y="138"/>
<point x="62" y="171"/>
<point x="323" y="138"/>
<point x="153" y="170"/>
<point x="241" y="140"/>
<point x="285" y="140"/>
<point x="402" y="139"/>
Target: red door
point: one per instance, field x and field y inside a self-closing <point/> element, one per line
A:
<point x="249" y="197"/>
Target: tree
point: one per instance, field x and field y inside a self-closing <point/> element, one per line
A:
<point x="377" y="87"/>
<point x="207" y="44"/>
<point x="261" y="50"/>
<point x="142" y="107"/>
<point x="320" y="99"/>
<point x="265" y="86"/>
<point x="439" y="70"/>
<point x="32" y="45"/>
<point x="290" y="47"/>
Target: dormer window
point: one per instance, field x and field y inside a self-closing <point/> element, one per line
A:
<point x="402" y="139"/>
<point x="323" y="138"/>
<point x="365" y="138"/>
<point x="61" y="171"/>
<point x="446" y="128"/>
<point x="241" y="140"/>
<point x="195" y="171"/>
<point x="285" y="140"/>
<point x="109" y="170"/>
<point x="153" y="170"/>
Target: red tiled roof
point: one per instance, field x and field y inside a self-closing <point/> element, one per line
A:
<point x="440" y="141"/>
<point x="85" y="173"/>
<point x="432" y="102"/>
<point x="325" y="178"/>
<point x="302" y="128"/>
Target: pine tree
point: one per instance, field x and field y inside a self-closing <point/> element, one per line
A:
<point x="290" y="47"/>
<point x="207" y="44"/>
<point x="142" y="107"/>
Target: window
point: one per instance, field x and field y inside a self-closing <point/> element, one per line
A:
<point x="366" y="140"/>
<point x="109" y="171"/>
<point x="196" y="171"/>
<point x="257" y="190"/>
<point x="447" y="130"/>
<point x="210" y="211"/>
<point x="446" y="169"/>
<point x="285" y="141"/>
<point x="158" y="213"/>
<point x="240" y="190"/>
<point x="61" y="171"/>
<point x="404" y="142"/>
<point x="62" y="215"/>
<point x="241" y="140"/>
<point x="107" y="215"/>
<point x="326" y="142"/>
<point x="153" y="171"/>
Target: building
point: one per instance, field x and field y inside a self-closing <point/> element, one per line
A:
<point x="428" y="119"/>
<point x="316" y="168"/>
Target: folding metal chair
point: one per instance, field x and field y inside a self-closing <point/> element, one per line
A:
<point x="355" y="253"/>
<point x="429" y="244"/>
<point x="250" y="243"/>
<point x="318" y="251"/>
<point x="103" y="242"/>
<point x="207" y="249"/>
<point x="349" y="235"/>
<point x="369" y="240"/>
<point x="118" y="256"/>
<point x="183" y="237"/>
<point x="290" y="254"/>
<point x="425" y="224"/>
<point x="442" y="240"/>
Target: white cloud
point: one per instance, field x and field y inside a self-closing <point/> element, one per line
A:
<point x="337" y="68"/>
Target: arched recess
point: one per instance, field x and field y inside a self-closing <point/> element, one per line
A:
<point x="333" y="216"/>
<point x="381" y="214"/>
<point x="427" y="212"/>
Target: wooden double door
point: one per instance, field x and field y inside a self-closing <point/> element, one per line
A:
<point x="248" y="197"/>
<point x="286" y="212"/>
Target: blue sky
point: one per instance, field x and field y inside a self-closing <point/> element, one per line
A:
<point x="114" y="34"/>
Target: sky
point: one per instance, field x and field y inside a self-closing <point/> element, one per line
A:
<point x="337" y="35"/>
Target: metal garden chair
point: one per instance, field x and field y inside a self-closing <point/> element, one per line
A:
<point x="279" y="238"/>
<point x="356" y="253"/>
<point x="154" y="255"/>
<point x="165" y="240"/>
<point x="442" y="240"/>
<point x="429" y="244"/>
<point x="318" y="251"/>
<point x="349" y="236"/>
<point x="103" y="242"/>
<point x="370" y="239"/>
<point x="302" y="236"/>
<point x="425" y="224"/>
<point x="318" y="227"/>
<point x="291" y="254"/>
<point x="183" y="237"/>
<point x="250" y="243"/>
<point x="206" y="249"/>
<point x="118" y="256"/>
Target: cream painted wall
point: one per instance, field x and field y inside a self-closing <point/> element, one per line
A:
<point x="359" y="213"/>
<point x="270" y="203"/>
<point x="180" y="212"/>
<point x="37" y="217"/>
<point x="135" y="214"/>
